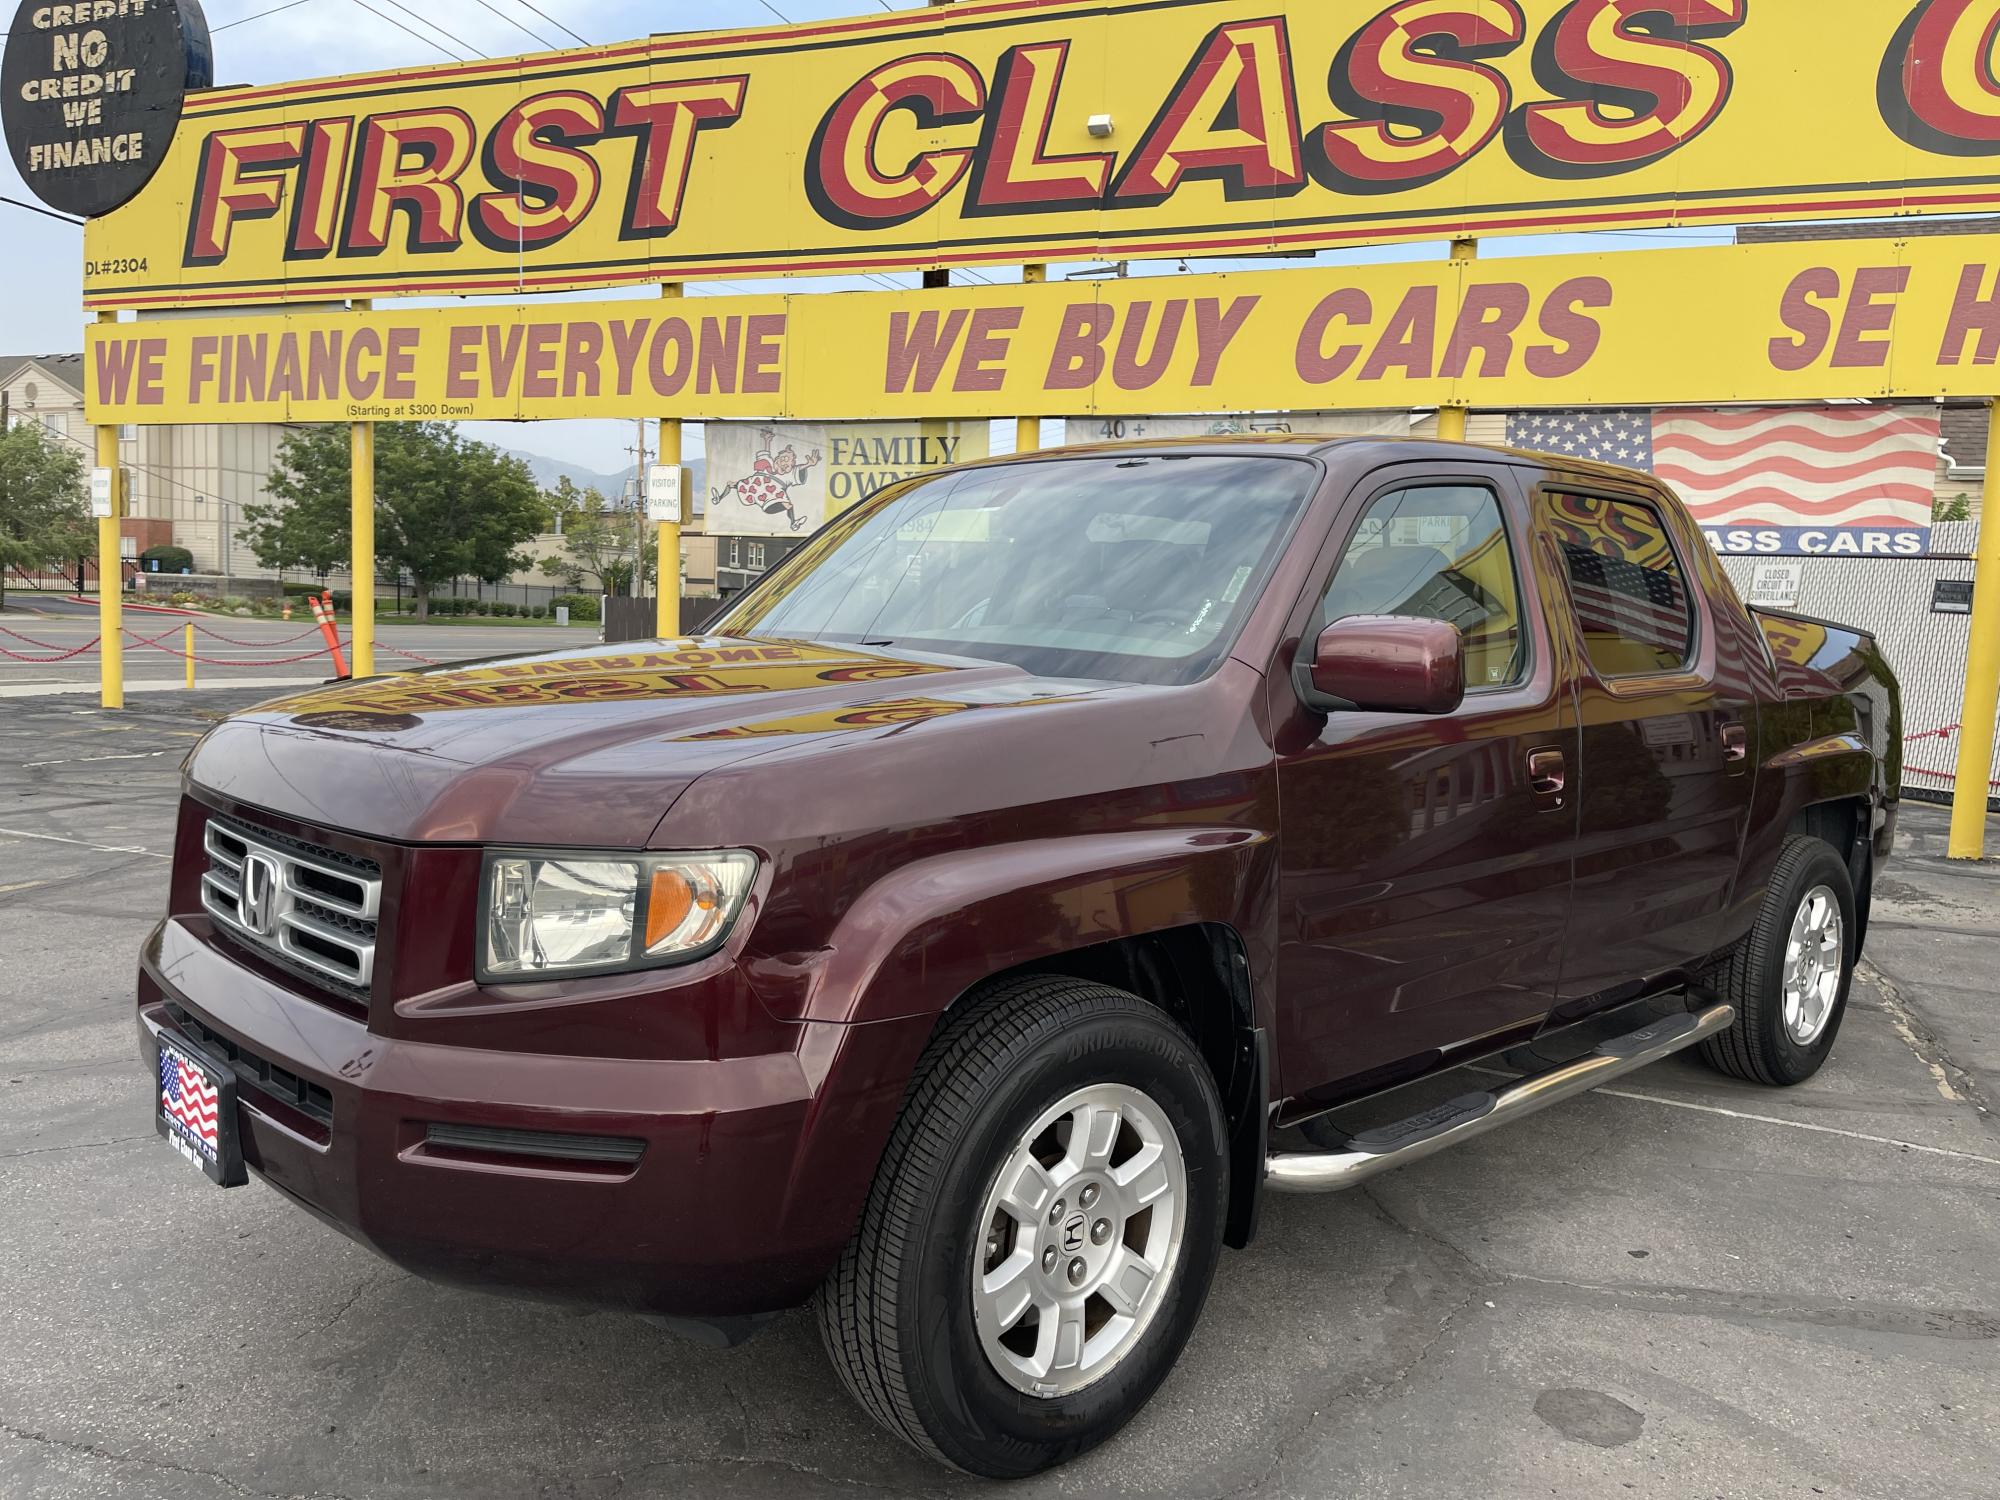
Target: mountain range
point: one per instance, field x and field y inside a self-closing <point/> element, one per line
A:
<point x="611" y="485"/>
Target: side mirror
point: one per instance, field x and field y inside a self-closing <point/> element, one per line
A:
<point x="1386" y="664"/>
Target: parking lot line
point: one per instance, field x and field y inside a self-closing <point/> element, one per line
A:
<point x="56" y="838"/>
<point x="1738" y="1114"/>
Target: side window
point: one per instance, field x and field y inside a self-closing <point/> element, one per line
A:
<point x="1438" y="552"/>
<point x="1631" y="598"/>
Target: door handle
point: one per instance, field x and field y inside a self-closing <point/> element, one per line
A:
<point x="1548" y="772"/>
<point x="1735" y="742"/>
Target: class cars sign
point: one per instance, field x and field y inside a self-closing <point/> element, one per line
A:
<point x="1005" y="131"/>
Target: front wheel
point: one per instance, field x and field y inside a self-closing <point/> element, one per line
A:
<point x="1041" y="1233"/>
<point x="1789" y="979"/>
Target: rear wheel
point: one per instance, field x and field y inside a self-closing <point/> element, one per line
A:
<point x="1789" y="980"/>
<point x="1042" y="1231"/>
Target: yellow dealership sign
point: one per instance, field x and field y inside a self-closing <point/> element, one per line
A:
<point x="1762" y="323"/>
<point x="962" y="135"/>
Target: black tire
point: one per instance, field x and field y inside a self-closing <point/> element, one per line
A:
<point x="897" y="1312"/>
<point x="1759" y="1047"/>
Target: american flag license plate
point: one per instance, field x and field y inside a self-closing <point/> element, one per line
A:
<point x="194" y="1107"/>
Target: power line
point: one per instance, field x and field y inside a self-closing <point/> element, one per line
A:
<point x="426" y="20"/>
<point x="246" y="20"/>
<point x="552" y="21"/>
<point x="439" y="46"/>
<point x="518" y="26"/>
<point x="36" y="208"/>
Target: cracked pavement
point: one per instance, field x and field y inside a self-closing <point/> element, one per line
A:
<point x="1666" y="1289"/>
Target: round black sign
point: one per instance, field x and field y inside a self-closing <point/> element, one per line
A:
<point x="91" y="90"/>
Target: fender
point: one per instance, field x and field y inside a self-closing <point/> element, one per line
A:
<point x="925" y="935"/>
<point x="1826" y="769"/>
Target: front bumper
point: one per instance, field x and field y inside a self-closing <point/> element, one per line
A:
<point x="751" y="1177"/>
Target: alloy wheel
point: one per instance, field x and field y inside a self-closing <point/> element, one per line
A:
<point x="1815" y="958"/>
<point x="1079" y="1239"/>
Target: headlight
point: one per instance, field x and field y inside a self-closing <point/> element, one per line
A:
<point x="567" y="914"/>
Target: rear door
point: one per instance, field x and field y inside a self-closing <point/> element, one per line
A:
<point x="1425" y="870"/>
<point x="1663" y="782"/>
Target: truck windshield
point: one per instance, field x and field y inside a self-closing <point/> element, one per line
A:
<point x="1137" y="569"/>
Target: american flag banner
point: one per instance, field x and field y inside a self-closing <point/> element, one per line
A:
<point x="189" y="1100"/>
<point x="1781" y="480"/>
<point x="1608" y="437"/>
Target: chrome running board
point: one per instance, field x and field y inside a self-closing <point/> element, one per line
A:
<point x="1470" y="1115"/>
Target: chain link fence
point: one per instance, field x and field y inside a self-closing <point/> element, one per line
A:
<point x="1893" y="598"/>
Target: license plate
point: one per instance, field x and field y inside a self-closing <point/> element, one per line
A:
<point x="194" y="1107"/>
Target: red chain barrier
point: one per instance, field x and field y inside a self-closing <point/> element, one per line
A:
<point x="1937" y="775"/>
<point x="42" y="661"/>
<point x="1936" y="734"/>
<point x="65" y="655"/>
<point x="232" y="641"/>
<point x="158" y="643"/>
<point x="230" y="661"/>
<point x="45" y="645"/>
<point x="429" y="661"/>
<point x="58" y="645"/>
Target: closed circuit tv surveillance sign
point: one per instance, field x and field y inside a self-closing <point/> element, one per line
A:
<point x="91" y="92"/>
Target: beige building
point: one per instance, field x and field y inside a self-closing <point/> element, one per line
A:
<point x="189" y="485"/>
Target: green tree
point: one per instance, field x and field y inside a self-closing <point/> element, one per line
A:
<point x="452" y="508"/>
<point x="597" y="543"/>
<point x="44" y="518"/>
<point x="310" y="526"/>
<point x="445" y="507"/>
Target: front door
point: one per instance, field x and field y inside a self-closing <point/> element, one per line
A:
<point x="1663" y="786"/>
<point x="1425" y="861"/>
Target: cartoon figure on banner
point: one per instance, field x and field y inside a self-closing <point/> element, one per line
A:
<point x="771" y="480"/>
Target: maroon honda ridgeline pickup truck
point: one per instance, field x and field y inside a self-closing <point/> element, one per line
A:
<point x="1008" y="893"/>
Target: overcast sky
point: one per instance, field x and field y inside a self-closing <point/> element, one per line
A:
<point x="41" y="259"/>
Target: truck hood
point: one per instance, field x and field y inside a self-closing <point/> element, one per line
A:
<point x="585" y="747"/>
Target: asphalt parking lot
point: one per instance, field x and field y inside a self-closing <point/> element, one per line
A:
<point x="1677" y="1287"/>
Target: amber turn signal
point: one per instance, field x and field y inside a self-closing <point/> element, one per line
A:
<point x="667" y="905"/>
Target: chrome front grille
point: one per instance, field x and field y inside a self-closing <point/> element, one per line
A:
<point x="314" y="908"/>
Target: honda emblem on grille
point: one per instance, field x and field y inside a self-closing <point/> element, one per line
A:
<point x="258" y="903"/>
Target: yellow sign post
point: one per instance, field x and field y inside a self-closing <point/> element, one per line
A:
<point x="1452" y="415"/>
<point x="110" y="570"/>
<point x="1028" y="430"/>
<point x="1970" y="785"/>
<point x="667" y="581"/>
<point x="361" y="543"/>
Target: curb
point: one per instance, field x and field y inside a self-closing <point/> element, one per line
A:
<point x="149" y="609"/>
